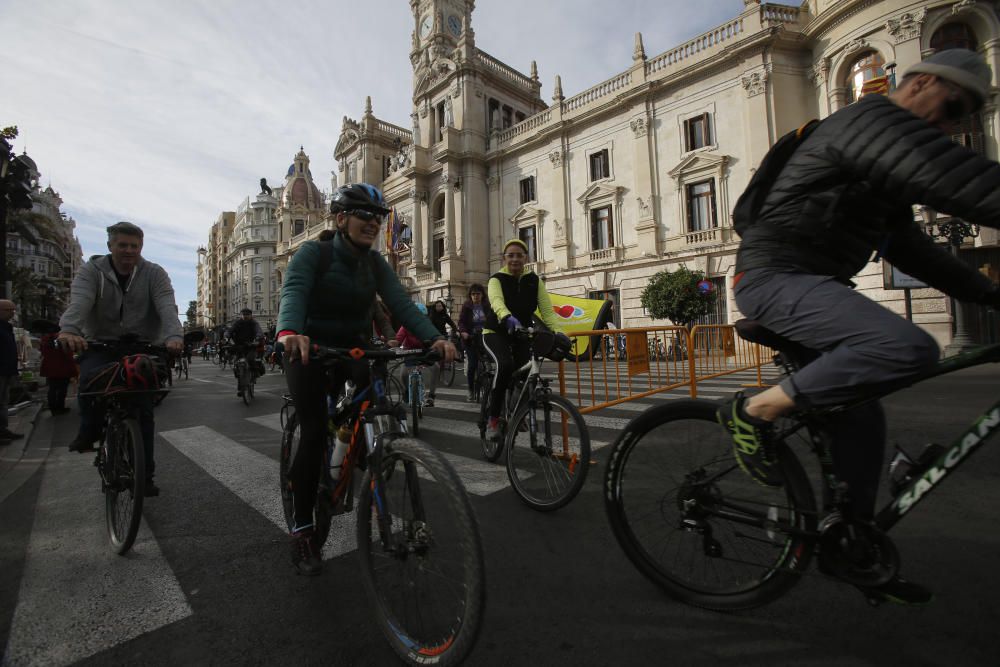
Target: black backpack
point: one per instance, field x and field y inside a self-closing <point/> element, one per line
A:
<point x="750" y="202"/>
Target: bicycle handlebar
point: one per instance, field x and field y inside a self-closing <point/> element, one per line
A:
<point x="324" y="353"/>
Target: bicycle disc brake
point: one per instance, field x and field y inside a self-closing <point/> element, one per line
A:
<point x="857" y="552"/>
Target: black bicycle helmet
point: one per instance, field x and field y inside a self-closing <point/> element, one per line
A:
<point x="359" y="196"/>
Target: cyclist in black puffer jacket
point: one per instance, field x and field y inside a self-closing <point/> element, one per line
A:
<point x="847" y="193"/>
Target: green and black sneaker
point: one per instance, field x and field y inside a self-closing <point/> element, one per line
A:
<point x="752" y="441"/>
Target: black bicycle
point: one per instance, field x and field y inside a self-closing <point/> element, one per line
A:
<point x="245" y="372"/>
<point x="118" y="389"/>
<point x="546" y="439"/>
<point x="694" y="523"/>
<point x="418" y="538"/>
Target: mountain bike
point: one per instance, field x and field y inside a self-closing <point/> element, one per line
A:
<point x="121" y="454"/>
<point x="695" y="524"/>
<point x="418" y="539"/>
<point x="181" y="366"/>
<point x="546" y="439"/>
<point x="246" y="376"/>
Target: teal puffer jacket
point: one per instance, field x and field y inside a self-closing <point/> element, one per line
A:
<point x="336" y="309"/>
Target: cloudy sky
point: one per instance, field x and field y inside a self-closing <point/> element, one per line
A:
<point x="166" y="113"/>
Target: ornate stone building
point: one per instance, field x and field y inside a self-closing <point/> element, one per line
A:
<point x="639" y="173"/>
<point x="44" y="253"/>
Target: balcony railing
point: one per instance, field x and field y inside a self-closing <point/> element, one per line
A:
<point x="605" y="255"/>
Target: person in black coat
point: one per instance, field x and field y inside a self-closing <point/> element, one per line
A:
<point x="8" y="367"/>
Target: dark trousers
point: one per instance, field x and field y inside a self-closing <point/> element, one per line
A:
<point x="862" y="346"/>
<point x="508" y="354"/>
<point x="57" y="392"/>
<point x="5" y="382"/>
<point x="308" y="386"/>
<point x="472" y="353"/>
<point x="90" y="412"/>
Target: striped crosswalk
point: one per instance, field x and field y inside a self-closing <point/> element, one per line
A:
<point x="104" y="600"/>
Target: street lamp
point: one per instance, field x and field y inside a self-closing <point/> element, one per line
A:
<point x="954" y="231"/>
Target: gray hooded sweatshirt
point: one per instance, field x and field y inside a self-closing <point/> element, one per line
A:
<point x="100" y="310"/>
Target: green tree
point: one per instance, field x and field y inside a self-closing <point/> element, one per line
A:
<point x="192" y="313"/>
<point x="676" y="296"/>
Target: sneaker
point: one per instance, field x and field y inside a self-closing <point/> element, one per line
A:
<point x="899" y="591"/>
<point x="81" y="444"/>
<point x="493" y="428"/>
<point x="152" y="490"/>
<point x="305" y="555"/>
<point x="471" y="398"/>
<point x="752" y="444"/>
<point x="428" y="402"/>
<point x="6" y="434"/>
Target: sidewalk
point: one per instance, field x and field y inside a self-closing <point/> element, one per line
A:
<point x="20" y="459"/>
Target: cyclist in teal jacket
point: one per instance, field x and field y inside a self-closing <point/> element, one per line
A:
<point x="332" y="302"/>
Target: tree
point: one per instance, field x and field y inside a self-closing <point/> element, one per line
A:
<point x="192" y="313"/>
<point x="681" y="296"/>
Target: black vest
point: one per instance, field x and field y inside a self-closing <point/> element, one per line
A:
<point x="520" y="297"/>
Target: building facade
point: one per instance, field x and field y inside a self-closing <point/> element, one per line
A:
<point x="43" y="254"/>
<point x="639" y="173"/>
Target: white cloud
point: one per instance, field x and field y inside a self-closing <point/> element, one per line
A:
<point x="166" y="114"/>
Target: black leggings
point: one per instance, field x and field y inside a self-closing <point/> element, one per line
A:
<point x="508" y="354"/>
<point x="308" y="386"/>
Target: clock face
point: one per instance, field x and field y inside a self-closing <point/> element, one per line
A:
<point x="426" y="24"/>
<point x="455" y="25"/>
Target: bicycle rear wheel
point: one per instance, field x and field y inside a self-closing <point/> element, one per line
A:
<point x="427" y="577"/>
<point x="548" y="452"/>
<point x="492" y="447"/>
<point x="186" y="367"/>
<point x="246" y="384"/>
<point x="321" y="511"/>
<point x="124" y="483"/>
<point x="694" y="523"/>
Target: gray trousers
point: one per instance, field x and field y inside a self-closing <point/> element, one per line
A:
<point x="862" y="345"/>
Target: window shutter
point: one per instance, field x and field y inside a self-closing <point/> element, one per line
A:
<point x="690" y="208"/>
<point x="711" y="192"/>
<point x="707" y="128"/>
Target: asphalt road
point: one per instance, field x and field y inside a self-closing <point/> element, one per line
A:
<point x="209" y="579"/>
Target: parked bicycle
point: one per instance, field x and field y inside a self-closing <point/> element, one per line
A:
<point x="545" y="437"/>
<point x="118" y="389"/>
<point x="418" y="540"/>
<point x="695" y="524"/>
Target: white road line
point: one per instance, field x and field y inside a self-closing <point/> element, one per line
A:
<point x="77" y="597"/>
<point x="253" y="477"/>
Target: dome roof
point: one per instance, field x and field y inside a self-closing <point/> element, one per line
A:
<point x="299" y="187"/>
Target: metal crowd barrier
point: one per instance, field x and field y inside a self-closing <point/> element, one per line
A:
<point x="613" y="366"/>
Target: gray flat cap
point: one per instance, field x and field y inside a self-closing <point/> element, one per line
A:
<point x="965" y="68"/>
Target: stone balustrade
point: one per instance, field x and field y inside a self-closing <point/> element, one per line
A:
<point x="603" y="89"/>
<point x="506" y="71"/>
<point x="775" y="15"/>
<point x="700" y="45"/>
<point x="394" y="131"/>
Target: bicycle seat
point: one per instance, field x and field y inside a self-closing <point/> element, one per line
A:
<point x="755" y="332"/>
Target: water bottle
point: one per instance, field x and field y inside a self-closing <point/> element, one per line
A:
<point x="341" y="442"/>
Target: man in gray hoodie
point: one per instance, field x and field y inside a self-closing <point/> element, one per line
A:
<point x="115" y="295"/>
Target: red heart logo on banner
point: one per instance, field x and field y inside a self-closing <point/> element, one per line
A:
<point x="564" y="311"/>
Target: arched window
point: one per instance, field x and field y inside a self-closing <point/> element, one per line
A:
<point x="954" y="36"/>
<point x="865" y="68"/>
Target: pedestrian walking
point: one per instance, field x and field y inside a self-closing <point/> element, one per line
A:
<point x="8" y="367"/>
<point x="58" y="368"/>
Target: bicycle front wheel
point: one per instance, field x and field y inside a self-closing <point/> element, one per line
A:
<point x="694" y="523"/>
<point x="548" y="452"/>
<point x="186" y="369"/>
<point x="246" y="384"/>
<point x="491" y="446"/>
<point x="125" y="483"/>
<point x="448" y="373"/>
<point x="425" y="574"/>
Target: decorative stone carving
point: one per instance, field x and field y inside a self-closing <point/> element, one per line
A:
<point x="447" y="181"/>
<point x="449" y="115"/>
<point x="645" y="206"/>
<point x="477" y="90"/>
<point x="556" y="157"/>
<point x="907" y="26"/>
<point x="821" y="71"/>
<point x="755" y="83"/>
<point x="856" y="45"/>
<point x="638" y="126"/>
<point x="424" y="108"/>
<point x="416" y="128"/>
<point x="456" y="90"/>
<point x="963" y="6"/>
<point x="418" y="196"/>
<point x="493" y="183"/>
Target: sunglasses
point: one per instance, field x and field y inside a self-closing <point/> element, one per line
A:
<point x="366" y="215"/>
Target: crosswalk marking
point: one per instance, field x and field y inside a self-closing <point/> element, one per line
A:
<point x="78" y="597"/>
<point x="253" y="477"/>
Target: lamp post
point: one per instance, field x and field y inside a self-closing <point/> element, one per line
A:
<point x="954" y="231"/>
